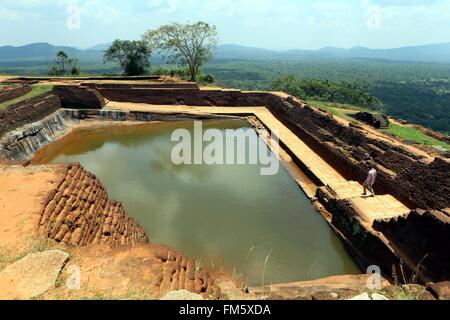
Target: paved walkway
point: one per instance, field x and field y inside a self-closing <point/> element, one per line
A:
<point x="372" y="208"/>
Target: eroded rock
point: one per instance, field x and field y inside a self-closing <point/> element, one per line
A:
<point x="81" y="213"/>
<point x="440" y="290"/>
<point x="32" y="275"/>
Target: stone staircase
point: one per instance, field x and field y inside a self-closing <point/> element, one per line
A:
<point x="379" y="207"/>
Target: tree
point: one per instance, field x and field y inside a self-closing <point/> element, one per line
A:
<point x="75" y="70"/>
<point x="53" y="71"/>
<point x="324" y="90"/>
<point x="61" y="59"/>
<point x="61" y="62"/>
<point x="132" y="56"/>
<point x="187" y="44"/>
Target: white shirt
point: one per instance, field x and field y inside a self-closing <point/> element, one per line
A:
<point x="372" y="177"/>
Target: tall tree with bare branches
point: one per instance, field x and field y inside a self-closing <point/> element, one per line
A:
<point x="189" y="44"/>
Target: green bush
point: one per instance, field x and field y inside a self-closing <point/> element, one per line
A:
<point x="324" y="90"/>
<point x="206" y="78"/>
<point x="75" y="71"/>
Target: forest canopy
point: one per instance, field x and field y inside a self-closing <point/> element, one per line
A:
<point x="324" y="90"/>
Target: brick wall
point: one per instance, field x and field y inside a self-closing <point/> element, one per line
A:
<point x="80" y="213"/>
<point x="14" y="93"/>
<point x="28" y="111"/>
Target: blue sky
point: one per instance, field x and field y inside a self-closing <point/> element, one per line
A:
<point x="274" y="24"/>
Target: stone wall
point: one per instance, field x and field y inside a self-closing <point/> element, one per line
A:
<point x="162" y="85"/>
<point x="76" y="97"/>
<point x="424" y="236"/>
<point x="409" y="248"/>
<point x="405" y="175"/>
<point x="120" y="115"/>
<point x="184" y="96"/>
<point x="28" y="111"/>
<point x="80" y="213"/>
<point x="21" y="144"/>
<point x="24" y="142"/>
<point x="366" y="246"/>
<point x="14" y="93"/>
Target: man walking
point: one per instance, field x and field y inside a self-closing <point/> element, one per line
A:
<point x="370" y="182"/>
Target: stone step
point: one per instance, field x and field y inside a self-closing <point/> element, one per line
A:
<point x="379" y="207"/>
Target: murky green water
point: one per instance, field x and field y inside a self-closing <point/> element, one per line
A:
<point x="222" y="214"/>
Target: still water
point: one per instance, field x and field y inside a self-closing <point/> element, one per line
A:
<point x="222" y="215"/>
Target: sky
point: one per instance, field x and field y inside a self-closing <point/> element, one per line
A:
<point x="272" y="24"/>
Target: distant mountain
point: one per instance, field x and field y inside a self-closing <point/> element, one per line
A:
<point x="426" y="53"/>
<point x="100" y="47"/>
<point x="45" y="51"/>
<point x="233" y="51"/>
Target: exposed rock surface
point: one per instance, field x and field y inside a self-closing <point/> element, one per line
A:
<point x="331" y="288"/>
<point x="388" y="251"/>
<point x="22" y="143"/>
<point x="413" y="247"/>
<point x="362" y="296"/>
<point x="440" y="290"/>
<point x="343" y="288"/>
<point x="141" y="271"/>
<point x="182" y="295"/>
<point x="32" y="275"/>
<point x="121" y="115"/>
<point x="80" y="212"/>
<point x="423" y="236"/>
<point x="76" y="97"/>
<point x="376" y="120"/>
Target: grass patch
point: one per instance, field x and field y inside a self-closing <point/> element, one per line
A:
<point x="340" y="110"/>
<point x="5" y="259"/>
<point x="37" y="89"/>
<point x="412" y="134"/>
<point x="344" y="111"/>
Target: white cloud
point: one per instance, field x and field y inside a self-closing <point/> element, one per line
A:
<point x="101" y="10"/>
<point x="280" y="24"/>
<point x="9" y="15"/>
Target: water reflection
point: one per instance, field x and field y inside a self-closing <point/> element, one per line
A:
<point x="222" y="213"/>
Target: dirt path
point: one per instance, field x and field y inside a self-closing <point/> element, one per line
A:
<point x="23" y="195"/>
<point x="5" y="78"/>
